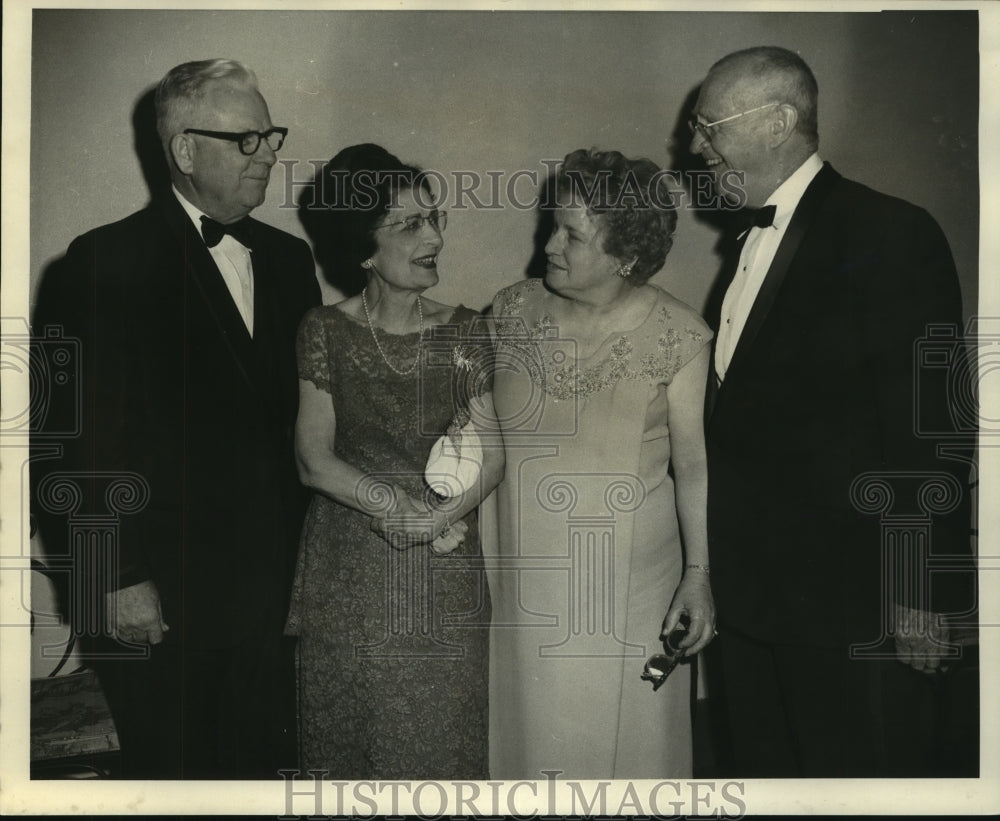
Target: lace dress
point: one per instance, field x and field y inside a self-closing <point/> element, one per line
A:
<point x="393" y="645"/>
<point x="589" y="546"/>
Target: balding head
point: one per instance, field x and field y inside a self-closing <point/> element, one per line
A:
<point x="755" y="117"/>
<point x="765" y="74"/>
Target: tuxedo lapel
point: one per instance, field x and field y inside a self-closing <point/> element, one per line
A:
<point x="730" y="247"/>
<point x="801" y="219"/>
<point x="212" y="288"/>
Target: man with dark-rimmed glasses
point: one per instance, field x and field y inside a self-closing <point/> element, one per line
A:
<point x="186" y="314"/>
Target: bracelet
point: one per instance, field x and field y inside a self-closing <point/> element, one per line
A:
<point x="702" y="567"/>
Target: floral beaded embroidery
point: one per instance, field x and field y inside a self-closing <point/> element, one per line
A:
<point x="564" y="381"/>
<point x="569" y="380"/>
<point x="513" y="301"/>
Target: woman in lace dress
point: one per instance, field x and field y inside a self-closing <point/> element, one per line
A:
<point x="392" y="612"/>
<point x="598" y="389"/>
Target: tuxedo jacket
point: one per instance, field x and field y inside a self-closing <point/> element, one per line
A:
<point x="822" y="438"/>
<point x="173" y="390"/>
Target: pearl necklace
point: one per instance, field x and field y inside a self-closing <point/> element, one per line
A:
<point x="420" y="338"/>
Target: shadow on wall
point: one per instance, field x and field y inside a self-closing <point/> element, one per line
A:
<point x="695" y="196"/>
<point x="325" y="236"/>
<point x="155" y="173"/>
<point x="146" y="143"/>
<point x="545" y="222"/>
<point x="690" y="168"/>
<point x="54" y="301"/>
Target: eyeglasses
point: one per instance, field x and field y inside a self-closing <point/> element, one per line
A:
<point x="703" y="128"/>
<point x="248" y="141"/>
<point x="661" y="665"/>
<point x="411" y="225"/>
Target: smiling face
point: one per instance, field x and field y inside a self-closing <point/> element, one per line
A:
<point x="407" y="246"/>
<point x="577" y="261"/>
<point x="215" y="176"/>
<point x="739" y="145"/>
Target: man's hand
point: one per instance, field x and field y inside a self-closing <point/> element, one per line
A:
<point x="134" y="614"/>
<point x="920" y="638"/>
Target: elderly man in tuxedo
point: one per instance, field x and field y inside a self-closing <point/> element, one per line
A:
<point x="827" y="290"/>
<point x="186" y="314"/>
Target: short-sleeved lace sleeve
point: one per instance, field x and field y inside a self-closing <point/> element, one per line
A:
<point x="311" y="350"/>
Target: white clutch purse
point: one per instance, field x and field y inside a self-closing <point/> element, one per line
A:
<point x="455" y="462"/>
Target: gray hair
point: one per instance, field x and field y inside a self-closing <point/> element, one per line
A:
<point x="783" y="73"/>
<point x="184" y="87"/>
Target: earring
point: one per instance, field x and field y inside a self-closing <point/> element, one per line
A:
<point x="624" y="270"/>
<point x="368" y="264"/>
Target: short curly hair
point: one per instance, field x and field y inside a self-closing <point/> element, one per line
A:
<point x="631" y="201"/>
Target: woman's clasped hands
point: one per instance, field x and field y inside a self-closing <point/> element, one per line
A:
<point x="410" y="522"/>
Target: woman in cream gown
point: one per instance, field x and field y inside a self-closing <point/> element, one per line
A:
<point x="598" y="389"/>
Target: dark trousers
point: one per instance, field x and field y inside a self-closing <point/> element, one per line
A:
<point x="204" y="713"/>
<point x="811" y="712"/>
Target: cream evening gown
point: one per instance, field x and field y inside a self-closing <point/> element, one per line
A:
<point x="589" y="552"/>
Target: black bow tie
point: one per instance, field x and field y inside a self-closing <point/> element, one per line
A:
<point x="754" y="218"/>
<point x="213" y="231"/>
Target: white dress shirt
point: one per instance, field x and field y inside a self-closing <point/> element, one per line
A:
<point x="233" y="260"/>
<point x="755" y="259"/>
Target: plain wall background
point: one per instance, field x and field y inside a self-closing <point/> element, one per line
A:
<point x="500" y="91"/>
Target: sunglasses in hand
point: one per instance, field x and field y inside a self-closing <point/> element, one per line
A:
<point x="661" y="665"/>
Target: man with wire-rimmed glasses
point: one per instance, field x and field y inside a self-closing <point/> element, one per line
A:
<point x="828" y="288"/>
<point x="186" y="313"/>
